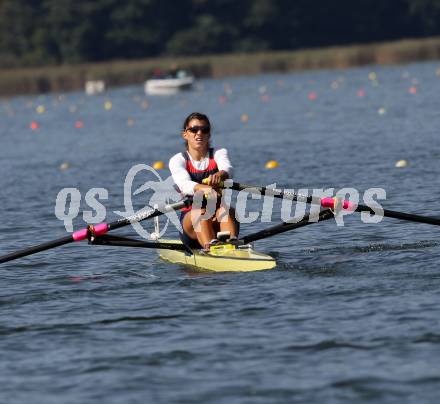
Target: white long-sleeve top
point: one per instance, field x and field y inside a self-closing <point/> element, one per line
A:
<point x="181" y="176"/>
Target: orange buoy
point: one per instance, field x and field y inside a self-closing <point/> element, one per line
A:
<point x="34" y="125"/>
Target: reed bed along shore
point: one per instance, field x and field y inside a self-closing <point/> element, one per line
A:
<point x="119" y="73"/>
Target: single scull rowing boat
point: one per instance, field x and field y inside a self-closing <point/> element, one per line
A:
<point x="220" y="258"/>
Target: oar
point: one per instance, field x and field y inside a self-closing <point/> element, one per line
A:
<point x="286" y="226"/>
<point x="330" y="203"/>
<point x="97" y="230"/>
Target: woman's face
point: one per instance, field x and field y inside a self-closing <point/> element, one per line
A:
<point x="197" y="134"/>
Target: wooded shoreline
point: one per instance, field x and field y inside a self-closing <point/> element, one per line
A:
<point x="119" y="73"/>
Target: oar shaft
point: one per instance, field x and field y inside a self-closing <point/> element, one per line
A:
<point x="148" y="214"/>
<point x="403" y="216"/>
<point x="286" y="226"/>
<point x="37" y="248"/>
<point x="328" y="202"/>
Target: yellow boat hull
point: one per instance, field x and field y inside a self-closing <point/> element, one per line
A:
<point x="224" y="258"/>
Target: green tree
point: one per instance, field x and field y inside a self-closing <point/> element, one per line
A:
<point x="38" y="32"/>
<point x="427" y="12"/>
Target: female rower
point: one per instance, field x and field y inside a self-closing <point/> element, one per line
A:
<point x="198" y="162"/>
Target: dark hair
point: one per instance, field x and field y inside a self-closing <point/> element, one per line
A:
<point x="196" y="115"/>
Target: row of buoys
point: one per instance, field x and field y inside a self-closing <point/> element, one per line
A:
<point x="270" y="165"/>
<point x="34" y="125"/>
<point x="244" y="118"/>
<point x="313" y="95"/>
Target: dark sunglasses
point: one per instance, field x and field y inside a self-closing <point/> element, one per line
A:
<point x="204" y="129"/>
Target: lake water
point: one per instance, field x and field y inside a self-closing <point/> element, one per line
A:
<point x="350" y="314"/>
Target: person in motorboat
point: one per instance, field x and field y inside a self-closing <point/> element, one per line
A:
<point x="189" y="168"/>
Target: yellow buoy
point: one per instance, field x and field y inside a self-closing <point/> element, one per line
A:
<point x="401" y="163"/>
<point x="108" y="105"/>
<point x="40" y="109"/>
<point x="158" y="165"/>
<point x="372" y="76"/>
<point x="272" y="164"/>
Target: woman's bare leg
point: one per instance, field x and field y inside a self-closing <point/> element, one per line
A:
<point x="199" y="228"/>
<point x="227" y="221"/>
